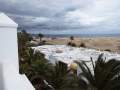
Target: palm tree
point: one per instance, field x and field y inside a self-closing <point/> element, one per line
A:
<point x="71" y="38"/>
<point x="58" y="77"/>
<point x="105" y="75"/>
<point x="40" y="36"/>
<point x="23" y="43"/>
<point x="37" y="63"/>
<point x="37" y="68"/>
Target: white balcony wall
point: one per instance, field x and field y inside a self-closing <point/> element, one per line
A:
<point x="8" y="46"/>
<point x="10" y="79"/>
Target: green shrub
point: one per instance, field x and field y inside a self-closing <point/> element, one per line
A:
<point x="71" y="44"/>
<point x="82" y="45"/>
<point x="107" y="50"/>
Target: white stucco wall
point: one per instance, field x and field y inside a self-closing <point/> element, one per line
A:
<point x="10" y="79"/>
<point x="8" y="46"/>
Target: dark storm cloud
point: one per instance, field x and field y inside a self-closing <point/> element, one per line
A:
<point x="64" y="14"/>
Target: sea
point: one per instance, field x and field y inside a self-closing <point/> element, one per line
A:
<point x="83" y="35"/>
<point x="79" y="35"/>
<point x="75" y="35"/>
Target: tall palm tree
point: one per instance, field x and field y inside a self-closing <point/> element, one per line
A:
<point x="40" y="36"/>
<point x="71" y="38"/>
<point x="105" y="75"/>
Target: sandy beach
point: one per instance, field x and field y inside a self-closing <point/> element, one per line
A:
<point x="99" y="43"/>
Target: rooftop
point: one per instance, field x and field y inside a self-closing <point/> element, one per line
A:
<point x="68" y="54"/>
<point x="5" y="21"/>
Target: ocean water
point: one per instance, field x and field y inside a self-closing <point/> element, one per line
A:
<point x="79" y="34"/>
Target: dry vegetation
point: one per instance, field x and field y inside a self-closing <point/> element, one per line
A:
<point x="102" y="43"/>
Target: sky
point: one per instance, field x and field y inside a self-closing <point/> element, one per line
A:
<point x="65" y="16"/>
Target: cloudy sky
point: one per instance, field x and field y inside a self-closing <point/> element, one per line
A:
<point x="65" y="16"/>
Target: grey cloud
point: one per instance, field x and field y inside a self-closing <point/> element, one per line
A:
<point x="63" y="14"/>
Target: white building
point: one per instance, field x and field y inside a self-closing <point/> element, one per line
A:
<point x="68" y="54"/>
<point x="10" y="79"/>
